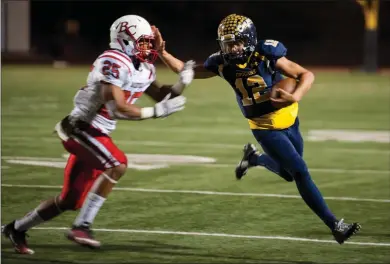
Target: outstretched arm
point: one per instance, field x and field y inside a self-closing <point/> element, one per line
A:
<point x="174" y="63"/>
<point x="158" y="91"/>
<point x="123" y="110"/>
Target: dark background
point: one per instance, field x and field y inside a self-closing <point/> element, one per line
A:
<point x="324" y="33"/>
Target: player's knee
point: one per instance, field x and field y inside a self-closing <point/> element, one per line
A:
<point x="118" y="171"/>
<point x="287" y="176"/>
<point x="301" y="173"/>
<point x="298" y="169"/>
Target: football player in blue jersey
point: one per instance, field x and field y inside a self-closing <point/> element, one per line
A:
<point x="252" y="67"/>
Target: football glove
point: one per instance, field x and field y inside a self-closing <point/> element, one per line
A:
<point x="169" y="106"/>
<point x="187" y="73"/>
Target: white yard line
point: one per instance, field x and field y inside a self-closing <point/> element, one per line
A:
<point x="238" y="147"/>
<point x="61" y="164"/>
<point x="349" y="135"/>
<point x="183" y="233"/>
<point x="210" y="165"/>
<point x="358" y="151"/>
<point x="288" y="196"/>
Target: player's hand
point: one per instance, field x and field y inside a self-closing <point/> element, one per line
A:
<point x="187" y="73"/>
<point x="169" y="106"/>
<point x="284" y="97"/>
<point x="159" y="42"/>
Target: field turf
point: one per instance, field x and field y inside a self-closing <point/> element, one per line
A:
<point x="199" y="213"/>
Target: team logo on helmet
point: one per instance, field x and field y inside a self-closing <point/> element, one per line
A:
<point x="235" y="28"/>
<point x="124" y="27"/>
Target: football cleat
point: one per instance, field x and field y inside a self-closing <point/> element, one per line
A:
<point x="18" y="238"/>
<point x="343" y="231"/>
<point x="243" y="165"/>
<point x="82" y="236"/>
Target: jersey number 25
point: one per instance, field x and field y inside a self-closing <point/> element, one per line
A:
<point x="110" y="68"/>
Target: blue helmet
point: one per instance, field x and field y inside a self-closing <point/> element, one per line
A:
<point x="237" y="28"/>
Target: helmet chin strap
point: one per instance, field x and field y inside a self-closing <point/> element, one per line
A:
<point x="115" y="45"/>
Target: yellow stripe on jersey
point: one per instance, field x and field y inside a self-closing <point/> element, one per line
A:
<point x="280" y="119"/>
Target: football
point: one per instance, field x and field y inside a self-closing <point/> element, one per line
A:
<point x="288" y="85"/>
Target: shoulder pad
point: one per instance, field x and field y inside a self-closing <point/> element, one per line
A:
<point x="272" y="49"/>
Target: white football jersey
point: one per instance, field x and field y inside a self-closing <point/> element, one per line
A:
<point x="114" y="67"/>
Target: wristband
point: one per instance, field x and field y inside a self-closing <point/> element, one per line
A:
<point x="147" y="112"/>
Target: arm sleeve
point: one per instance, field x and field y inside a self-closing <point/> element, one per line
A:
<point x="272" y="49"/>
<point x="212" y="62"/>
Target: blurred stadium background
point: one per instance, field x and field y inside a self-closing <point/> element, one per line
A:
<point x="179" y="202"/>
<point x="320" y="33"/>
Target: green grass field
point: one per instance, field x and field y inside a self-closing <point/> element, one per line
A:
<point x="218" y="226"/>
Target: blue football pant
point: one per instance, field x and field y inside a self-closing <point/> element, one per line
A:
<point x="283" y="156"/>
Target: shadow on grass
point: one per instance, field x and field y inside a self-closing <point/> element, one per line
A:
<point x="156" y="253"/>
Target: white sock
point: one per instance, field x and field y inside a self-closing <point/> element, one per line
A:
<point x="29" y="220"/>
<point x="89" y="210"/>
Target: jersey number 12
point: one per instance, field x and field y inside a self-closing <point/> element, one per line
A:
<point x="255" y="85"/>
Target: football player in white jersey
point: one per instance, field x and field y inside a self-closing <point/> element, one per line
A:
<point x="118" y="77"/>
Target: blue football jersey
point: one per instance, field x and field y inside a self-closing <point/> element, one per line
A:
<point x="252" y="81"/>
